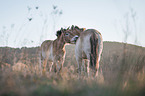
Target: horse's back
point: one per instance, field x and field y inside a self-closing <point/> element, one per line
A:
<point x="83" y="45"/>
<point x="46" y="44"/>
<point x="46" y="48"/>
<point x="99" y="37"/>
<point x="86" y="35"/>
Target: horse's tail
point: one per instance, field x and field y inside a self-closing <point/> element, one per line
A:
<point x="94" y="50"/>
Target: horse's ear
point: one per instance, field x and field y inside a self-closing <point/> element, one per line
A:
<point x="68" y="28"/>
<point x="77" y="27"/>
<point x="58" y="33"/>
<point x="64" y="29"/>
<point x="61" y="29"/>
<point x="83" y="29"/>
<point x="72" y="27"/>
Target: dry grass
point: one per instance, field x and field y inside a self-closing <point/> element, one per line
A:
<point x="116" y="77"/>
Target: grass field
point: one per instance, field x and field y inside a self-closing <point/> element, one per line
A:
<point x="121" y="73"/>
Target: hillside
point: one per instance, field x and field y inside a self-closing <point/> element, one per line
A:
<point x="112" y="57"/>
<point x="118" y="66"/>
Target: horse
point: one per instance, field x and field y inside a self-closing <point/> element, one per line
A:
<point x="54" y="50"/>
<point x="89" y="46"/>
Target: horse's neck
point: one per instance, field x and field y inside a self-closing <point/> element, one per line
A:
<point x="59" y="44"/>
<point x="79" y="32"/>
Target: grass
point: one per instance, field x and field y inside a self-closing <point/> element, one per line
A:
<point x="19" y="83"/>
<point x="116" y="78"/>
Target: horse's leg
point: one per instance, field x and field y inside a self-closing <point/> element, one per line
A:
<point x="88" y="66"/>
<point x="57" y="66"/>
<point x="79" y="62"/>
<point x="50" y="67"/>
<point x="97" y="63"/>
<point x="97" y="68"/>
<point x="40" y="67"/>
<point x="61" y="62"/>
<point x="44" y="65"/>
<point x="54" y="67"/>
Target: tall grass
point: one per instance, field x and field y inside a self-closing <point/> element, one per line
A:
<point x="116" y="77"/>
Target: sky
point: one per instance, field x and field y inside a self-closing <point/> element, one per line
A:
<point x="111" y="17"/>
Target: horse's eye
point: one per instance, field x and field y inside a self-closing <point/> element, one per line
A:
<point x="66" y="34"/>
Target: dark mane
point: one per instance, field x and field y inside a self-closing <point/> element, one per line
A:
<point x="77" y="27"/>
<point x="58" y="33"/>
<point x="72" y="27"/>
<point x="81" y="29"/>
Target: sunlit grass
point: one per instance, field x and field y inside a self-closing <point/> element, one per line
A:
<point x="114" y="79"/>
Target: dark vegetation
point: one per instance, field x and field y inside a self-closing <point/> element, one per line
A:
<point x="121" y="73"/>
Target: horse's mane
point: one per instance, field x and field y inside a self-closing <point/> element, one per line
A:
<point x="59" y="32"/>
<point x="76" y="27"/>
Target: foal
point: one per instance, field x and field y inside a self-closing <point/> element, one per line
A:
<point x="54" y="51"/>
<point x="89" y="45"/>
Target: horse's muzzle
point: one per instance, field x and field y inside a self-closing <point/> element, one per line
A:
<point x="74" y="39"/>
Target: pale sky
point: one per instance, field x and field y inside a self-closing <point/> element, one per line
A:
<point x="107" y="16"/>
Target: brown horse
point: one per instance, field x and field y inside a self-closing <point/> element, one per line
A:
<point x="89" y="45"/>
<point x="54" y="51"/>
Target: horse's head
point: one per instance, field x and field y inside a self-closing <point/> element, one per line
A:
<point x="76" y="30"/>
<point x="70" y="35"/>
<point x="74" y="33"/>
<point x="65" y="35"/>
